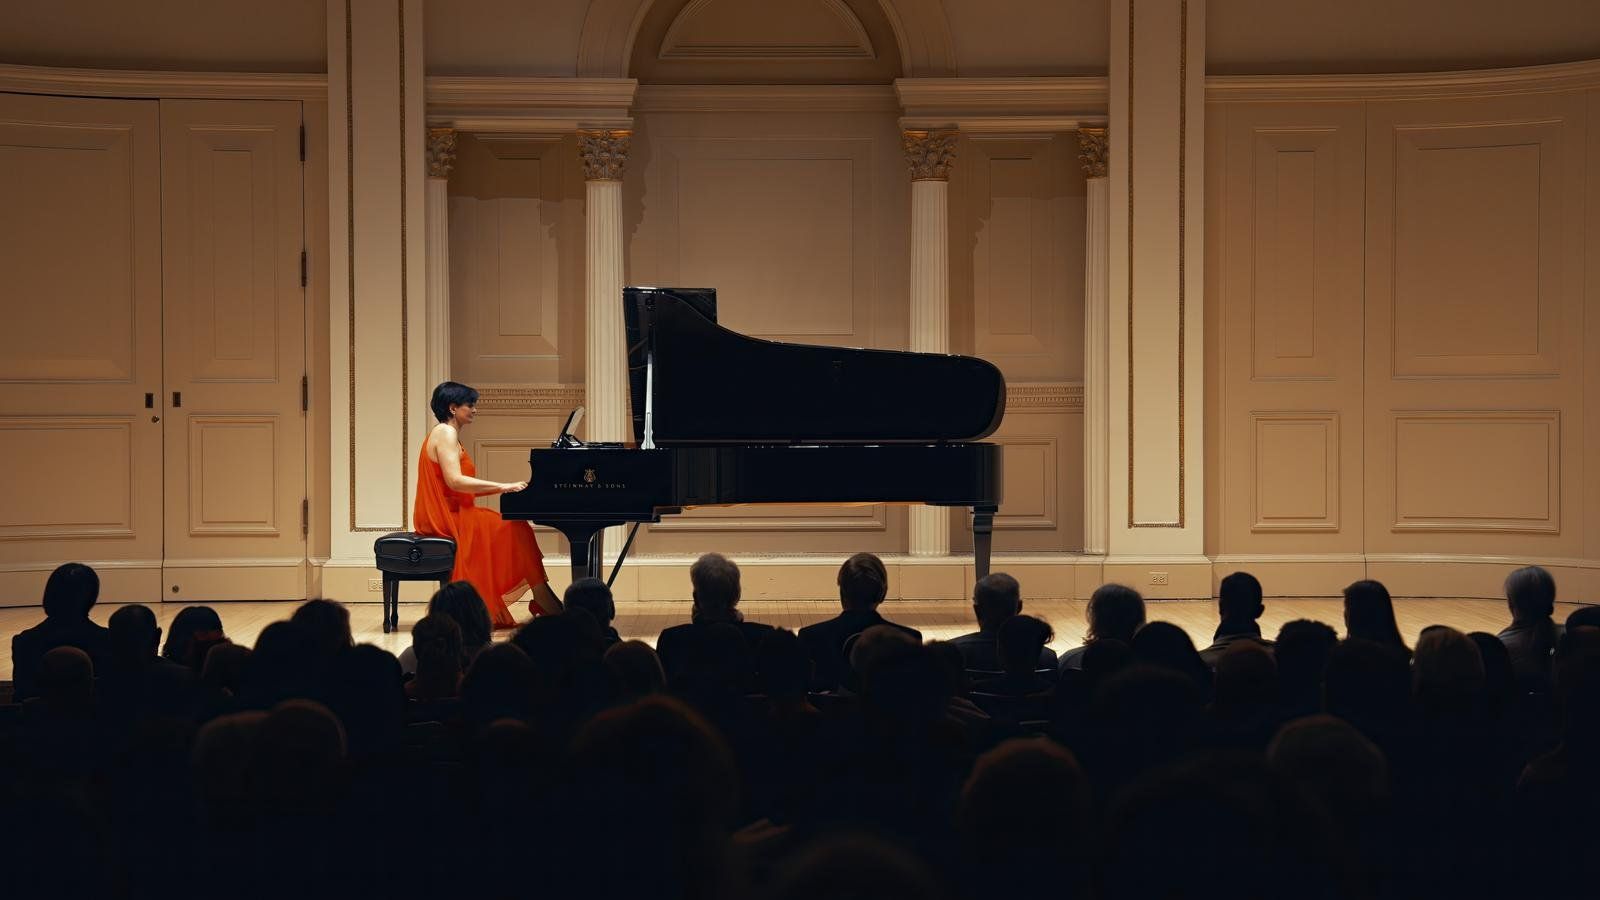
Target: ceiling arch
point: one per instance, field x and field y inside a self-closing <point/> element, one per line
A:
<point x="610" y="28"/>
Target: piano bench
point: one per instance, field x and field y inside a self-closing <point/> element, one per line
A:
<point x="408" y="556"/>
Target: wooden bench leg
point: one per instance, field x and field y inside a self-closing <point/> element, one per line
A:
<point x="391" y="600"/>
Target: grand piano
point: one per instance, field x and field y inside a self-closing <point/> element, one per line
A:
<point x="721" y="418"/>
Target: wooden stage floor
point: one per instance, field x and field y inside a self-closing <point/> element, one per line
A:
<point x="935" y="619"/>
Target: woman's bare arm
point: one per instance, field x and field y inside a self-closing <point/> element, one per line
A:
<point x="447" y="452"/>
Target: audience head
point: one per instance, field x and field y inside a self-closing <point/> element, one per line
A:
<point x="1246" y="678"/>
<point x="66" y="679"/>
<point x="1020" y="641"/>
<point x="224" y="667"/>
<point x="715" y="579"/>
<point x="660" y="759"/>
<point x="1239" y="598"/>
<point x="635" y="670"/>
<point x="1168" y="646"/>
<point x="283" y="665"/>
<point x="995" y="598"/>
<point x="1531" y="595"/>
<point x="1231" y="815"/>
<point x="1369" y="615"/>
<point x="900" y="678"/>
<point x="500" y="684"/>
<point x="436" y="639"/>
<point x="134" y="634"/>
<point x="1587" y="616"/>
<point x="460" y="601"/>
<point x="1301" y="652"/>
<point x="856" y="865"/>
<point x="863" y="582"/>
<point x="1023" y="812"/>
<point x="224" y="751"/>
<point x="327" y="623"/>
<point x="71" y="591"/>
<point x="448" y="394"/>
<point x="192" y="625"/>
<point x="1338" y="767"/>
<point x="1447" y="670"/>
<point x="299" y="755"/>
<point x="1366" y="683"/>
<point x="1115" y="611"/>
<point x="592" y="596"/>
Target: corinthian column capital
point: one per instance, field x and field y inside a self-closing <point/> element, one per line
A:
<point x="930" y="154"/>
<point x="441" y="152"/>
<point x="604" y="154"/>
<point x="1092" y="147"/>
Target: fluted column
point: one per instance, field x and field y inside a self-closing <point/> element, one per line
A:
<point x="930" y="155"/>
<point x="605" y="374"/>
<point x="604" y="153"/>
<point x="1096" y="341"/>
<point x="441" y="159"/>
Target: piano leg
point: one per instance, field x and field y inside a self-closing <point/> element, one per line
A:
<point x="982" y="534"/>
<point x="585" y="544"/>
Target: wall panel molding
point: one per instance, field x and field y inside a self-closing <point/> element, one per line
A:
<point x="1296" y="486"/>
<point x="1507" y="484"/>
<point x="165" y="85"/>
<point x="1575" y="76"/>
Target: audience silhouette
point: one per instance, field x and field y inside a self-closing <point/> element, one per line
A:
<point x="738" y="760"/>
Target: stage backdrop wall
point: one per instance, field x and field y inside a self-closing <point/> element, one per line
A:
<point x="1403" y="376"/>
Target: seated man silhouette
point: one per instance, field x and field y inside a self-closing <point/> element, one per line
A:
<point x="995" y="598"/>
<point x="715" y="581"/>
<point x="1239" y="606"/>
<point x="863" y="583"/>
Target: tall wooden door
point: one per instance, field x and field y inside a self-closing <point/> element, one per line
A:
<point x="80" y="299"/>
<point x="232" y="239"/>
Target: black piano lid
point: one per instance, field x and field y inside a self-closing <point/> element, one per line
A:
<point x="716" y="386"/>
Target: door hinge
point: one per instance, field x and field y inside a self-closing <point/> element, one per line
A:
<point x="305" y="268"/>
<point x="305" y="517"/>
<point x="305" y="393"/>
<point x="302" y="142"/>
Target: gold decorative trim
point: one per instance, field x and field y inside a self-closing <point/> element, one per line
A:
<point x="1061" y="396"/>
<point x="930" y="154"/>
<point x="544" y="398"/>
<point x="350" y="236"/>
<point x="405" y="304"/>
<point x="1183" y="113"/>
<point x="1093" y="150"/>
<point x="441" y="152"/>
<point x="604" y="154"/>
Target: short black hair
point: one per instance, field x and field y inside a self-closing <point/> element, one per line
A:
<point x="71" y="591"/>
<point x="1239" y="596"/>
<point x="1115" y="611"/>
<point x="995" y="598"/>
<point x="448" y="394"/>
<point x="863" y="582"/>
<point x="592" y="596"/>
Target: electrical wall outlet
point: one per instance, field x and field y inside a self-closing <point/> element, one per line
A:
<point x="1158" y="578"/>
<point x="376" y="584"/>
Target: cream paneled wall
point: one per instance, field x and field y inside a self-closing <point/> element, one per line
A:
<point x="1399" y="338"/>
<point x="516" y="261"/>
<point x="799" y="216"/>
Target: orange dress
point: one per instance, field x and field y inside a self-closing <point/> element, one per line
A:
<point x="498" y="556"/>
